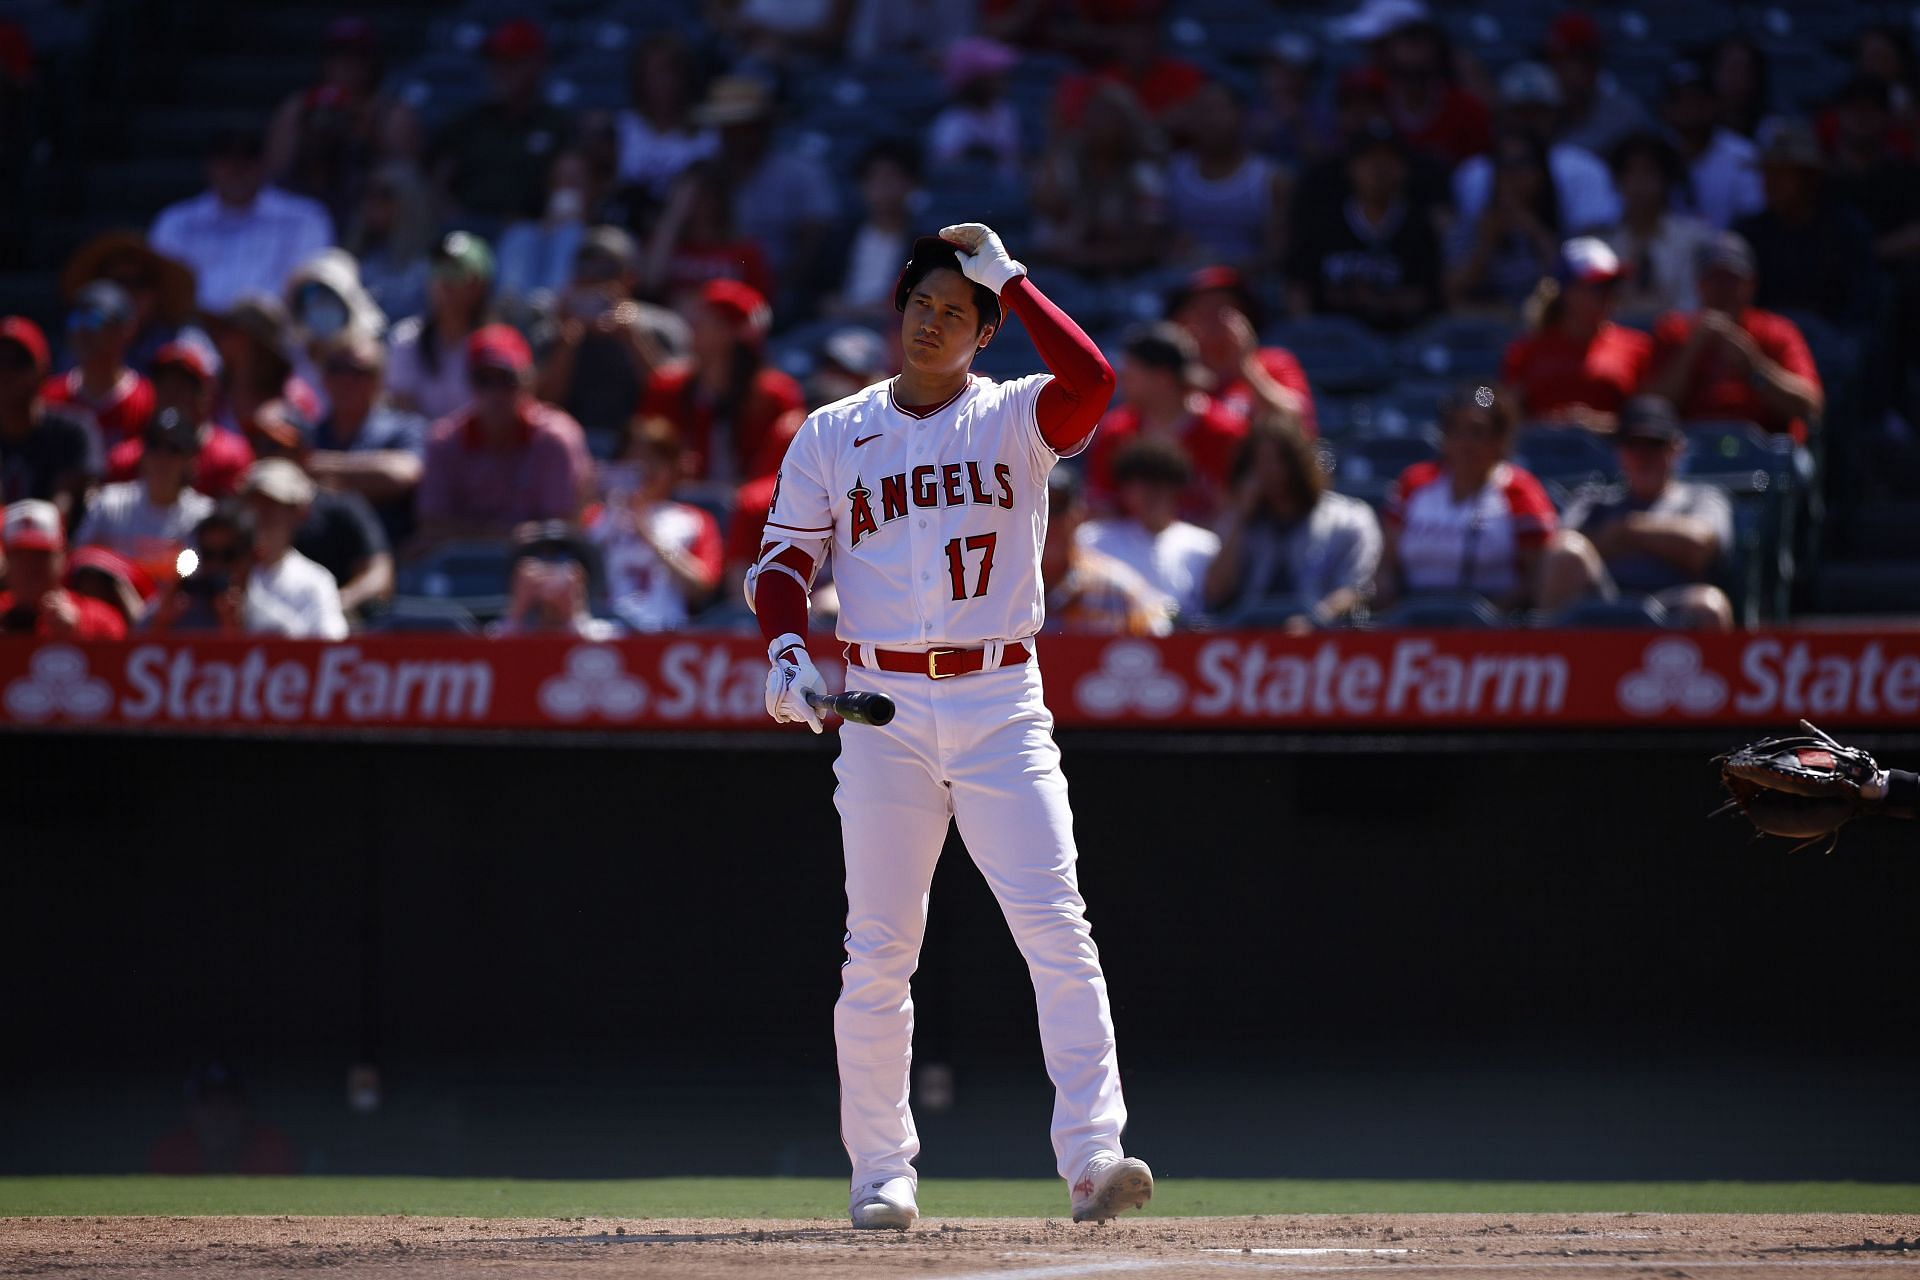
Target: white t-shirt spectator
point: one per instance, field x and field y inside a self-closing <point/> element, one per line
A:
<point x="1726" y="180"/>
<point x="1658" y="273"/>
<point x="1582" y="182"/>
<point x="643" y="593"/>
<point x="652" y="159"/>
<point x="1174" y="561"/>
<point x="238" y="251"/>
<point x="435" y="392"/>
<point x="294" y="598"/>
<point x="961" y="133"/>
<point x="122" y="518"/>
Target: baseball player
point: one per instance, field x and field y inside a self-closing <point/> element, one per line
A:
<point x="929" y="491"/>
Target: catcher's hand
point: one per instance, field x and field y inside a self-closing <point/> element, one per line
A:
<point x="983" y="259"/>
<point x="789" y="680"/>
<point x="1805" y="786"/>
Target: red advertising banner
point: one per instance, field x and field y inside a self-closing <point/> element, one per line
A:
<point x="1333" y="680"/>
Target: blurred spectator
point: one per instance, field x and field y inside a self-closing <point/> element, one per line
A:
<point x="1436" y="115"/>
<point x="1529" y="106"/>
<point x="1652" y="534"/>
<point x="658" y="139"/>
<point x="35" y="603"/>
<point x="782" y="201"/>
<point x="389" y="232"/>
<point x="598" y="369"/>
<point x="490" y="164"/>
<point x="1288" y="542"/>
<point x="241" y="236"/>
<point x="162" y="290"/>
<point x="426" y="364"/>
<point x="504" y="459"/>
<point x="848" y="360"/>
<point x="1160" y="379"/>
<point x="363" y="445"/>
<point x="149" y="520"/>
<point x="100" y="329"/>
<point x="537" y="253"/>
<point x="1215" y="306"/>
<point x="1471" y="522"/>
<point x="978" y="125"/>
<point x="1729" y="359"/>
<point x="1811" y="251"/>
<point x="183" y="382"/>
<point x="1657" y="244"/>
<point x="45" y="453"/>
<point x="222" y="1134"/>
<point x="1089" y="591"/>
<point x="325" y="300"/>
<point x="1495" y="259"/>
<point x="1150" y="476"/>
<point x="886" y="29"/>
<point x="1722" y="165"/>
<point x="1099" y="201"/>
<point x="1873" y="174"/>
<point x="547" y="586"/>
<point x="111" y="579"/>
<point x="1884" y="52"/>
<point x="1595" y="112"/>
<point x="337" y="528"/>
<point x="325" y="138"/>
<point x="1287" y="120"/>
<point x="1360" y="115"/>
<point x="730" y="405"/>
<point x="255" y="340"/>
<point x="1374" y="256"/>
<point x="662" y="557"/>
<point x="209" y="592"/>
<point x="748" y="520"/>
<point x="1574" y="364"/>
<point x="1737" y="74"/>
<point x="889" y="174"/>
<point x="288" y="594"/>
<point x="695" y="240"/>
<point x="1131" y="46"/>
<point x="1224" y="202"/>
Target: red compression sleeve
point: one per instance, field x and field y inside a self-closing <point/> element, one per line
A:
<point x="1070" y="406"/>
<point x="780" y="603"/>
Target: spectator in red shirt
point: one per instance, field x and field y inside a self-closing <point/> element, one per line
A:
<point x="1435" y="115"/>
<point x="1731" y="360"/>
<point x="1160" y="381"/>
<point x="183" y="381"/>
<point x="506" y="458"/>
<point x="728" y="403"/>
<point x="1575" y="365"/>
<point x="1134" y="43"/>
<point x="100" y="328"/>
<point x="44" y="452"/>
<point x="222" y="1134"/>
<point x="34" y="602"/>
<point x="1217" y="308"/>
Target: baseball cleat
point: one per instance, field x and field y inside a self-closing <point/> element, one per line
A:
<point x="1111" y="1186"/>
<point x="886" y="1205"/>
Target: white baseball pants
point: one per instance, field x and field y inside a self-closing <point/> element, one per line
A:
<point x="977" y="749"/>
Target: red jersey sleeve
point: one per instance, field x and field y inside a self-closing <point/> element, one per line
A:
<point x="1071" y="404"/>
<point x="1284" y="369"/>
<point x="1531" y="509"/>
<point x="1418" y="476"/>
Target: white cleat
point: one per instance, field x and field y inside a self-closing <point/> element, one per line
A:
<point x="1111" y="1186"/>
<point x="886" y="1205"/>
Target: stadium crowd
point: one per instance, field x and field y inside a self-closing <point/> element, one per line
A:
<point x="533" y="367"/>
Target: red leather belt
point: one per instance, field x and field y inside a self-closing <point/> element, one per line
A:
<point x="937" y="664"/>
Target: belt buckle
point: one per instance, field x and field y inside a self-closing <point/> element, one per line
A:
<point x="933" y="664"/>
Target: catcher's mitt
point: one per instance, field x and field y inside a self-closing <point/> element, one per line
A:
<point x="1806" y="786"/>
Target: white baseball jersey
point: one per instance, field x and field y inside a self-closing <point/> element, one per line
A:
<point x="935" y="522"/>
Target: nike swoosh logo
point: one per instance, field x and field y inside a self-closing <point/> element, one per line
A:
<point x="860" y="440"/>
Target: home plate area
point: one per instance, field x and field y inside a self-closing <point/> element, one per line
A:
<point x="1413" y="1246"/>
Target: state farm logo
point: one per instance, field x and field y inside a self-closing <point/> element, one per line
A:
<point x="1130" y="679"/>
<point x="594" y="681"/>
<point x="1672" y="677"/>
<point x="58" y="683"/>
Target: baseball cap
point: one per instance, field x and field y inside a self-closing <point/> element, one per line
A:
<point x="278" y="480"/>
<point x="1649" y="418"/>
<point x="171" y="429"/>
<point x="739" y="302"/>
<point x="610" y="242"/>
<point x="262" y="317"/>
<point x="515" y="38"/>
<point x="463" y="255"/>
<point x="974" y="57"/>
<point x="1207" y="280"/>
<point x="734" y="100"/>
<point x="1588" y="260"/>
<point x="1574" y="32"/>
<point x="930" y="253"/>
<point x="33" y="525"/>
<point x="1164" y="345"/>
<point x="25" y="334"/>
<point x="499" y="346"/>
<point x="1529" y="84"/>
<point x="1725" y="251"/>
<point x="98" y="305"/>
<point x="183" y="355"/>
<point x="856" y="350"/>
<point x="112" y="563"/>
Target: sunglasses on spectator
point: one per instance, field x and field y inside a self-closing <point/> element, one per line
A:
<point x="492" y="380"/>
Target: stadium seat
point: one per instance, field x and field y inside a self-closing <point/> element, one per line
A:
<point x="425" y="613"/>
<point x="1442" y="612"/>
<point x="1456" y="347"/>
<point x="1366" y="467"/>
<point x="1626" y="613"/>
<point x="1570" y="455"/>
<point x="1338" y="353"/>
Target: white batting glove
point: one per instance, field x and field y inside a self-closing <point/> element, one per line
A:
<point x="983" y="259"/>
<point x="789" y="680"/>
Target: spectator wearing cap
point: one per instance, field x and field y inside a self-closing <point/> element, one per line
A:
<point x="241" y="236"/>
<point x="258" y="383"/>
<point x="1088" y="591"/>
<point x="1289" y="545"/>
<point x="110" y="578"/>
<point x="730" y="405"/>
<point x="1811" y="251"/>
<point x="1426" y="104"/>
<point x="863" y="281"/>
<point x="1128" y="47"/>
<point x="1530" y="104"/>
<point x="427" y="353"/>
<point x="35" y="603"/>
<point x="326" y="300"/>
<point x="101" y="385"/>
<point x="1217" y="308"/>
<point x="662" y="558"/>
<point x="978" y="126"/>
<point x="504" y="459"/>
<point x="1574" y="365"/>
<point x="599" y="367"/>
<point x="1162" y="390"/>
<point x="1100" y="193"/>
<point x="1225" y="202"/>
<point x="1496" y="258"/>
<point x="325" y="138"/>
<point x="1150" y="477"/>
<point x="547" y="585"/>
<point x="1656" y="243"/>
<point x="658" y="139"/>
<point x="149" y="519"/>
<point x="389" y="232"/>
<point x="695" y="240"/>
<point x="288" y="594"/>
<point x="1722" y="166"/>
<point x="782" y="200"/>
<point x="1595" y="112"/>
<point x="1472" y="523"/>
<point x="490" y="162"/>
<point x="162" y="290"/>
<point x="1373" y="256"/>
<point x="45" y="452"/>
<point x="183" y="382"/>
<point x="362" y="444"/>
<point x="1652" y="534"/>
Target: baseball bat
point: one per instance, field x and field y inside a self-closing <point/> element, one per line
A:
<point x="856" y="705"/>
